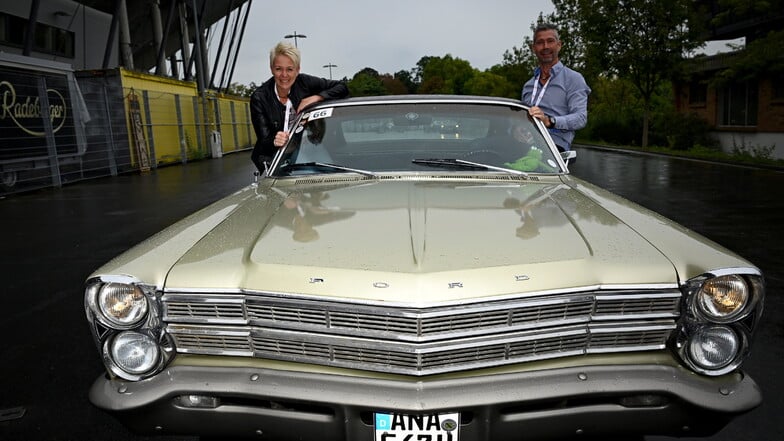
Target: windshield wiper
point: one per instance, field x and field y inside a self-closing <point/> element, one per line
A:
<point x="333" y="167"/>
<point x="463" y="164"/>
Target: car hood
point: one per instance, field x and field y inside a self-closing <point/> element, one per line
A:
<point x="402" y="240"/>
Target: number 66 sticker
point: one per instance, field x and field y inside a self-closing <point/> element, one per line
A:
<point x="321" y="113"/>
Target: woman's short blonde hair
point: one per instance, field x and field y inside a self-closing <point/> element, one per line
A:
<point x="287" y="50"/>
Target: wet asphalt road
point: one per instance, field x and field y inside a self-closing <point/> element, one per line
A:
<point x="740" y="208"/>
<point x="52" y="239"/>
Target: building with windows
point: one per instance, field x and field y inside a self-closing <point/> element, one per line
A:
<point x="740" y="93"/>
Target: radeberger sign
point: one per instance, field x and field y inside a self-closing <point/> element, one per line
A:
<point x="25" y="112"/>
<point x="22" y="111"/>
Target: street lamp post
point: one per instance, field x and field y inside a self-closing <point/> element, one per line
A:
<point x="295" y="35"/>
<point x="330" y="66"/>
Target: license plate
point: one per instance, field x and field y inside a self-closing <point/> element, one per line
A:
<point x="398" y="427"/>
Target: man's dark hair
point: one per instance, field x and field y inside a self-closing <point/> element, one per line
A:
<point x="546" y="27"/>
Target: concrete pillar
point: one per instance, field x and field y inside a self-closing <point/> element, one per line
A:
<point x="125" y="37"/>
<point x="197" y="41"/>
<point x="157" y="33"/>
<point x="32" y="19"/>
<point x="175" y="68"/>
<point x="186" y="49"/>
<point x="205" y="60"/>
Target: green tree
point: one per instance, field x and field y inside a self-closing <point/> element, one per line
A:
<point x="407" y="79"/>
<point x="418" y="71"/>
<point x="392" y="85"/>
<point x="490" y="84"/>
<point x="615" y="112"/>
<point x="761" y="55"/>
<point x="517" y="67"/>
<point x="446" y="75"/>
<point x="764" y="54"/>
<point x="241" y="89"/>
<point x="733" y="11"/>
<point x="644" y="47"/>
<point x="568" y="20"/>
<point x="366" y="82"/>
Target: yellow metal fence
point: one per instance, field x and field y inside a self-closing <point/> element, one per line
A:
<point x="178" y="124"/>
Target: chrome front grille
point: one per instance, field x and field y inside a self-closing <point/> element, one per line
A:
<point x="420" y="341"/>
<point x="215" y="310"/>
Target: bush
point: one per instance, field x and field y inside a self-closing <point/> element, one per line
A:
<point x="613" y="129"/>
<point x="764" y="152"/>
<point x="683" y="132"/>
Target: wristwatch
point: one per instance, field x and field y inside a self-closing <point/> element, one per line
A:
<point x="552" y="121"/>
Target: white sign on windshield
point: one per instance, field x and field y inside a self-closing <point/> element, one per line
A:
<point x="321" y="113"/>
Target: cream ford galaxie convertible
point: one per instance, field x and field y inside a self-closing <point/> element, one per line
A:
<point x="392" y="277"/>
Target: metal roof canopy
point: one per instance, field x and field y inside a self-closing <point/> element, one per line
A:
<point x="158" y="29"/>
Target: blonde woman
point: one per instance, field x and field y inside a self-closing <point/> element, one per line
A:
<point x="275" y="103"/>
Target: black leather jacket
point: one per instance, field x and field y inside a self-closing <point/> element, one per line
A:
<point x="266" y="111"/>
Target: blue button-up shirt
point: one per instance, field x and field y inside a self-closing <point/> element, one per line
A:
<point x="565" y="99"/>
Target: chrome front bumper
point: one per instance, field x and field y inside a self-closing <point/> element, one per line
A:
<point x="547" y="404"/>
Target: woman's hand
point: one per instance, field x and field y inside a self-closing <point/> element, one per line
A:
<point x="308" y="101"/>
<point x="280" y="139"/>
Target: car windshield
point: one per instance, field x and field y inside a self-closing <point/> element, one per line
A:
<point x="415" y="137"/>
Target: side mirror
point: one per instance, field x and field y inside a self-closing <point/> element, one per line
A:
<point x="567" y="155"/>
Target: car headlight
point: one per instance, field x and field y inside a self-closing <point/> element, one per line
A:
<point x="122" y="305"/>
<point x="721" y="310"/>
<point x="134" y="353"/>
<point x="724" y="298"/>
<point x="125" y="320"/>
<point x="714" y="347"/>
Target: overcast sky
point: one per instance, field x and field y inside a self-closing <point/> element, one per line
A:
<point x="388" y="37"/>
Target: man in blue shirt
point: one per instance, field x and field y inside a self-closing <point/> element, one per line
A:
<point x="558" y="96"/>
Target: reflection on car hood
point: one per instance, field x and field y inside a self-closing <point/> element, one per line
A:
<point x="395" y="240"/>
